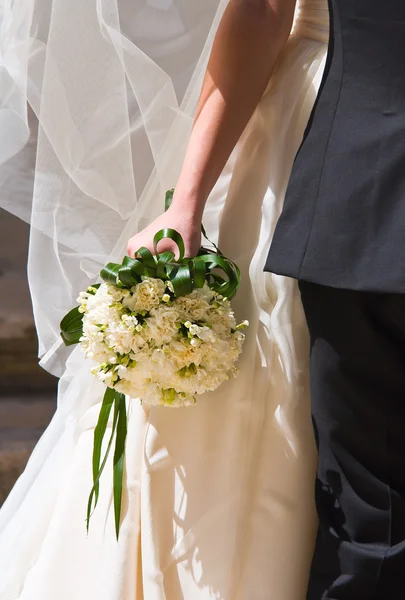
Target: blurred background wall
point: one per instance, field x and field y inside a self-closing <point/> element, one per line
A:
<point x="27" y="392"/>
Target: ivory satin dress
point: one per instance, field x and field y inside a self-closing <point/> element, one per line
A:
<point x="218" y="501"/>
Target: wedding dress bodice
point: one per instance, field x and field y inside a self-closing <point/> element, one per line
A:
<point x="312" y="20"/>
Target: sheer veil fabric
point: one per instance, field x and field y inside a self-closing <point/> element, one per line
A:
<point x="97" y="100"/>
<point x="113" y="86"/>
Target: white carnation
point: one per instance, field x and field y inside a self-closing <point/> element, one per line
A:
<point x="151" y="345"/>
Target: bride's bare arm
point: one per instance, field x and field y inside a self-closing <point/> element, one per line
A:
<point x="248" y="43"/>
<point x="249" y="40"/>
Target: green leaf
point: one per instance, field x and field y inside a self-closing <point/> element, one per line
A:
<point x="182" y="281"/>
<point x="109" y="273"/>
<point x="127" y="277"/>
<point x="148" y="261"/>
<point x="208" y="239"/>
<point x="99" y="432"/>
<point x="72" y="327"/>
<point x="162" y="264"/>
<point x="131" y="271"/>
<point x="169" y="198"/>
<point x="230" y="269"/>
<point x="198" y="272"/>
<point x="217" y="278"/>
<point x="173" y="235"/>
<point x="119" y="459"/>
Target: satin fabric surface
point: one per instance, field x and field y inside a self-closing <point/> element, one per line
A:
<point x="218" y="500"/>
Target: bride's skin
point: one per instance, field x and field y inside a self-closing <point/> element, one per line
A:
<point x="249" y="40"/>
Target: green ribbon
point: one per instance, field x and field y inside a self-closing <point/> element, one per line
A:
<point x="111" y="399"/>
<point x="71" y="326"/>
<point x="186" y="273"/>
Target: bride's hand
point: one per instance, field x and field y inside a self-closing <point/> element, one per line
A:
<point x="188" y="226"/>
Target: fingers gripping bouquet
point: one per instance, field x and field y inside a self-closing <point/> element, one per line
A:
<point x="158" y="329"/>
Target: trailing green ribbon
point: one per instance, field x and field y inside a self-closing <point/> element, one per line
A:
<point x="111" y="399"/>
<point x="186" y="273"/>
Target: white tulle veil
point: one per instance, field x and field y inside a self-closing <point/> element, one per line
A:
<point x="97" y="100"/>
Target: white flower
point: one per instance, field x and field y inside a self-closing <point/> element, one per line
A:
<point x="130" y="321"/>
<point x="148" y="356"/>
<point x="145" y="295"/>
<point x="121" y="370"/>
<point x="206" y="334"/>
<point x="243" y="324"/>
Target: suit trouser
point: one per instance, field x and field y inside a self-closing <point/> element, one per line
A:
<point x="358" y="407"/>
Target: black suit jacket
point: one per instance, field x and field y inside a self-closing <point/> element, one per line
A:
<point x="343" y="223"/>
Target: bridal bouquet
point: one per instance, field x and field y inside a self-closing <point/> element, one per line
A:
<point x="158" y="329"/>
<point x="152" y="345"/>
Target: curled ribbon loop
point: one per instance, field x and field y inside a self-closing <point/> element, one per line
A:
<point x="185" y="273"/>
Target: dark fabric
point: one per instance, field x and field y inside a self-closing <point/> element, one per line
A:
<point x="358" y="405"/>
<point x="343" y="223"/>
